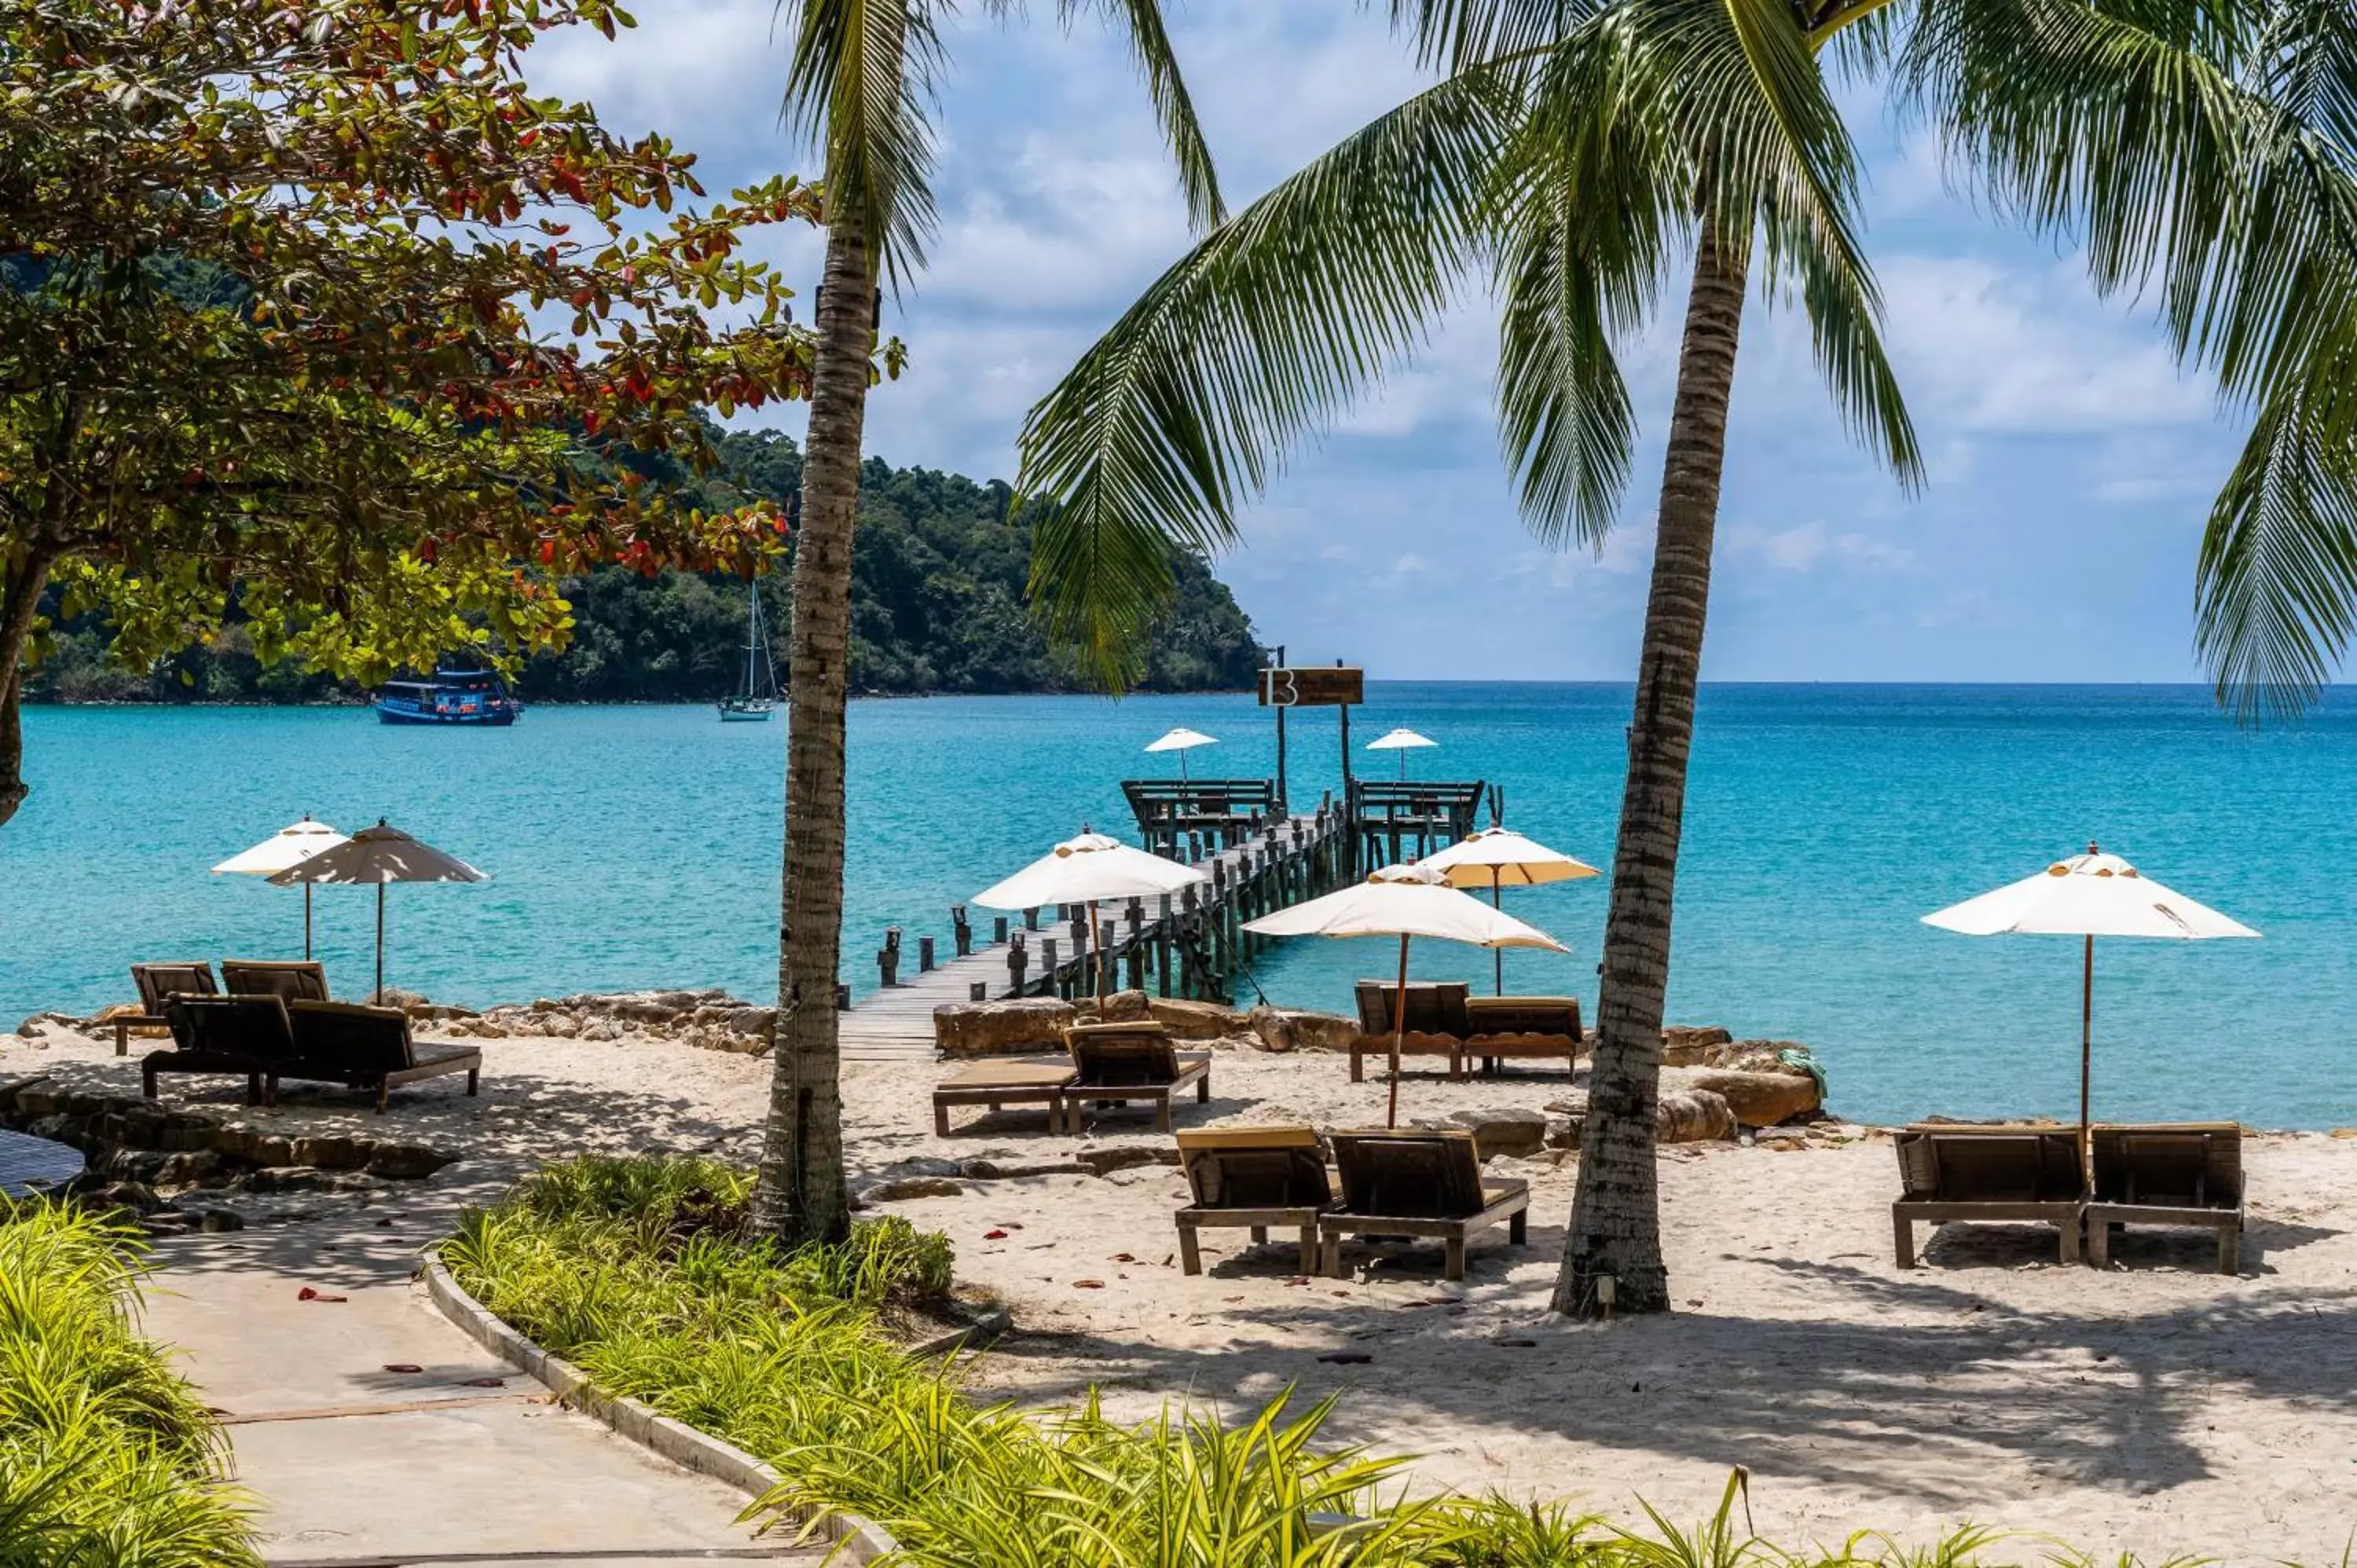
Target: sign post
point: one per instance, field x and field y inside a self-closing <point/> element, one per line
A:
<point x="1284" y="800"/>
<point x="1338" y="686"/>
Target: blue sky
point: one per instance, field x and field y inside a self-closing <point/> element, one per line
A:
<point x="2071" y="464"/>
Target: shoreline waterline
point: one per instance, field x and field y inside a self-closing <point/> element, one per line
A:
<point x="638" y="846"/>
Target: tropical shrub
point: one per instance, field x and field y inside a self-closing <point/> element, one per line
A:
<point x="107" y="1457"/>
<point x="643" y="1273"/>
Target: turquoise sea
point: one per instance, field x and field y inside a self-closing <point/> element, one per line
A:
<point x="639" y="846"/>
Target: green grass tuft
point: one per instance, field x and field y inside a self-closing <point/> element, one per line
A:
<point x="640" y="1272"/>
<point x="107" y="1457"/>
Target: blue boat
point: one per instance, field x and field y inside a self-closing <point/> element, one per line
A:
<point x="452" y="697"/>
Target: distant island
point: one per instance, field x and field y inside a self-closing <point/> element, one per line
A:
<point x="937" y="608"/>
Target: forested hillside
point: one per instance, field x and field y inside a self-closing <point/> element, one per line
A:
<point x="937" y="606"/>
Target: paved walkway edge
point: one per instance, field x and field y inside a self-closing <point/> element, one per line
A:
<point x="855" y="1540"/>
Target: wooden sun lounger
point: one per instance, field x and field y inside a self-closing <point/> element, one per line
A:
<point x="1259" y="1179"/>
<point x="248" y="1037"/>
<point x="159" y="983"/>
<point x="2179" y="1174"/>
<point x="1119" y="1064"/>
<point x="1999" y="1173"/>
<point x="1435" y="1022"/>
<point x="1015" y="1082"/>
<point x="367" y="1049"/>
<point x="1418" y="1184"/>
<point x="297" y="979"/>
<point x="1523" y="1028"/>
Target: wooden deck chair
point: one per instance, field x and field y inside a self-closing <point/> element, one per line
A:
<point x="297" y="979"/>
<point x="1435" y="1020"/>
<point x="368" y="1048"/>
<point x="1998" y="1172"/>
<point x="995" y="1084"/>
<point x="1118" y="1064"/>
<point x="159" y="983"/>
<point x="249" y="1036"/>
<point x="1418" y="1184"/>
<point x="1523" y="1028"/>
<point x="2177" y="1174"/>
<point x="1256" y="1177"/>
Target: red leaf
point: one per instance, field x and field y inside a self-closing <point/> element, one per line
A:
<point x="1087" y="1284"/>
<point x="308" y="1293"/>
<point x="994" y="1235"/>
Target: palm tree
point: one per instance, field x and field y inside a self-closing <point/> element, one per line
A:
<point x="860" y="87"/>
<point x="1572" y="154"/>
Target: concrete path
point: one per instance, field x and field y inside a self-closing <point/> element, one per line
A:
<point x="463" y="1460"/>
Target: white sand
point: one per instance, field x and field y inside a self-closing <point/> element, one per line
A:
<point x="2159" y="1408"/>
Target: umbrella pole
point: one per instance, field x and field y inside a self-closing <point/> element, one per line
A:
<point x="1498" y="955"/>
<point x="380" y="944"/>
<point x="2086" y="1049"/>
<point x="1399" y="1033"/>
<point x="306" y="922"/>
<point x="1096" y="946"/>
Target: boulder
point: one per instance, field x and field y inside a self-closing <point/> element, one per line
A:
<point x="1125" y="1008"/>
<point x="1693" y="1116"/>
<point x="1104" y="1161"/>
<point x="48" y="1026"/>
<point x="304" y="1178"/>
<point x="1001" y="1028"/>
<point x="1758" y="1099"/>
<point x="136" y="1196"/>
<point x="755" y="1021"/>
<point x="906" y="1188"/>
<point x="331" y="1153"/>
<point x="1509" y="1131"/>
<point x="409" y="1002"/>
<point x="1683" y="1046"/>
<point x="1194" y="1020"/>
<point x="190" y="1167"/>
<point x="1300" y="1029"/>
<point x="404" y="1162"/>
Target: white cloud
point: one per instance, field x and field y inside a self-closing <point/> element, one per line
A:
<point x="1809" y="545"/>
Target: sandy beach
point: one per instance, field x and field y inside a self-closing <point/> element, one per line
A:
<point x="2158" y="1408"/>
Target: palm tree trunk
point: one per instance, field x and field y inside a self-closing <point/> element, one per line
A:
<point x="20" y="597"/>
<point x="1616" y="1226"/>
<point x="801" y="1194"/>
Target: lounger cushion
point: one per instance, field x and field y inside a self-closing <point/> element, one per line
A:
<point x="228" y="1030"/>
<point x="345" y="1040"/>
<point x="1256" y="1167"/>
<point x="296" y="981"/>
<point x="1434" y="1175"/>
<point x="158" y="982"/>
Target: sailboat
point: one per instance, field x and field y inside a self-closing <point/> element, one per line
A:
<point x="753" y="704"/>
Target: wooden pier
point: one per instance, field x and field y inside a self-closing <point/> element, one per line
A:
<point x="1192" y="944"/>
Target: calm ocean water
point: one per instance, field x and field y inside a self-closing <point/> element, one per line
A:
<point x="639" y="846"/>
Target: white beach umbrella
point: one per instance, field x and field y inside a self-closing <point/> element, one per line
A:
<point x="290" y="845"/>
<point x="1402" y="740"/>
<point x="1499" y="858"/>
<point x="2088" y="896"/>
<point x="379" y="855"/>
<point x="1084" y="870"/>
<point x="1403" y="901"/>
<point x="1183" y="740"/>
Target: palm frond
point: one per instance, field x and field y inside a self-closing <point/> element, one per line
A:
<point x="1456" y="34"/>
<point x="1598" y="191"/>
<point x="863" y="75"/>
<point x="1254" y="338"/>
<point x="1140" y="22"/>
<point x="2276" y="600"/>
